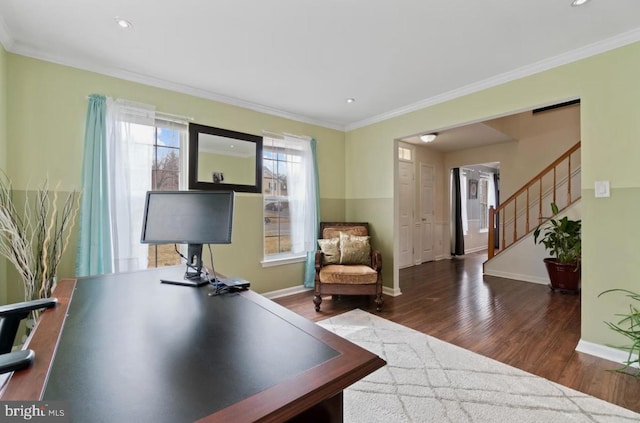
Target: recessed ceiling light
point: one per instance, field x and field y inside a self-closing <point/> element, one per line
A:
<point x="351" y="100"/>
<point x="123" y="23"/>
<point x="428" y="137"/>
<point x="578" y="2"/>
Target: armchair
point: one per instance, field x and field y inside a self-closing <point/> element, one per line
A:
<point x="346" y="264"/>
<point x="10" y="317"/>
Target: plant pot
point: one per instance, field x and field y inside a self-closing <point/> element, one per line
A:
<point x="564" y="277"/>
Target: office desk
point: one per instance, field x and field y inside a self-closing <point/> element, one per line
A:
<point x="127" y="348"/>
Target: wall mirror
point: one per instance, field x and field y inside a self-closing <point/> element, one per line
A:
<point x="220" y="159"/>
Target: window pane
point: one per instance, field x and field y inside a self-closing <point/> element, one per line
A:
<point x="166" y="169"/>
<point x="404" y="153"/>
<point x="484" y="206"/>
<point x="165" y="176"/>
<point x="161" y="255"/>
<point x="277" y="224"/>
<point x="169" y="137"/>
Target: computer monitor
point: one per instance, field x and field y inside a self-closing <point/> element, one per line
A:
<point x="188" y="217"/>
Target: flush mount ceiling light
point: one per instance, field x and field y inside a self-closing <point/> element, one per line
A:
<point x="578" y="2"/>
<point x="123" y="23"/>
<point x="351" y="100"/>
<point x="428" y="137"/>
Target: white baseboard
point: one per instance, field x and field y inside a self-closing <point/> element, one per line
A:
<point x="393" y="292"/>
<point x="286" y="291"/>
<point x="603" y="351"/>
<point x="517" y="276"/>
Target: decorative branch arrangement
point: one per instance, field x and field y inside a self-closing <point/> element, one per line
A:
<point x="628" y="326"/>
<point x="34" y="238"/>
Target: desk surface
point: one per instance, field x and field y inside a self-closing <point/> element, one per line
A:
<point x="133" y="349"/>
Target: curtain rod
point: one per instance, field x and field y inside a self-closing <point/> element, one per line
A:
<point x="285" y="133"/>
<point x="171" y="115"/>
<point x="168" y="115"/>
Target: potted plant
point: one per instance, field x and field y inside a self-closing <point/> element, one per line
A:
<point x="563" y="239"/>
<point x="33" y="238"/>
<point x="629" y="327"/>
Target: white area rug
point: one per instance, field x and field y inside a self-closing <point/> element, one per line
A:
<point x="428" y="380"/>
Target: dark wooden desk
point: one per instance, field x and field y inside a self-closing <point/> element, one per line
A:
<point x="125" y="347"/>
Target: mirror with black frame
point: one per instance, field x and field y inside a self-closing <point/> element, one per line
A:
<point x="221" y="159"/>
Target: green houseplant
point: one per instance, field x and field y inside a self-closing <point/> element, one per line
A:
<point x="629" y="327"/>
<point x="562" y="238"/>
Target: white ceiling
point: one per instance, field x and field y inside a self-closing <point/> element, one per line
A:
<point x="463" y="137"/>
<point x="302" y="59"/>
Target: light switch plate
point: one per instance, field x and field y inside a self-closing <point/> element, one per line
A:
<point x="602" y="189"/>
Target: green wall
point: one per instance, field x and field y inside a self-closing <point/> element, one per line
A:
<point x="3" y="154"/>
<point x="46" y="112"/>
<point x="608" y="86"/>
<point x="46" y="127"/>
<point x="3" y="108"/>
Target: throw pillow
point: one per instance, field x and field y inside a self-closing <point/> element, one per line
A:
<point x="334" y="231"/>
<point x="354" y="249"/>
<point x="330" y="250"/>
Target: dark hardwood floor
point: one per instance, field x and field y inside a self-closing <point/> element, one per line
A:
<point x="522" y="324"/>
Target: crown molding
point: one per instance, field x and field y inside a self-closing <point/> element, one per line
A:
<point x="150" y="80"/>
<point x="5" y="37"/>
<point x="593" y="49"/>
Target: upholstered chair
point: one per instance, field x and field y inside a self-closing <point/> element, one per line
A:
<point x="346" y="264"/>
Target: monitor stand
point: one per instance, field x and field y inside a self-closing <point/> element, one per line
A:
<point x="195" y="282"/>
<point x="193" y="275"/>
<point x="191" y="278"/>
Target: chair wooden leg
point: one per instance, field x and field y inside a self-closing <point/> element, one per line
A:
<point x="379" y="302"/>
<point x="317" y="300"/>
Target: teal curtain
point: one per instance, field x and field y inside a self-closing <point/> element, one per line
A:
<point x="310" y="268"/>
<point x="94" y="245"/>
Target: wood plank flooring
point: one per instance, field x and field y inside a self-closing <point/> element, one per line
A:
<point x="522" y="324"/>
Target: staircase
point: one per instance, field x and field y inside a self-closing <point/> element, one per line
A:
<point x="525" y="210"/>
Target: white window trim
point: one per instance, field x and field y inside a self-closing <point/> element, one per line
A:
<point x="279" y="259"/>
<point x="282" y="260"/>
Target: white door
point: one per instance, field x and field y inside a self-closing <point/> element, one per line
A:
<point x="405" y="222"/>
<point x="427" y="176"/>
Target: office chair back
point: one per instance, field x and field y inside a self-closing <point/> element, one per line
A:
<point x="10" y="317"/>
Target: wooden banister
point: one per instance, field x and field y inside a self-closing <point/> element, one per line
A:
<point x="511" y="206"/>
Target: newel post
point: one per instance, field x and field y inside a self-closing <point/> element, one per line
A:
<point x="492" y="233"/>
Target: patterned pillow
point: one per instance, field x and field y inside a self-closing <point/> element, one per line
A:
<point x="330" y="250"/>
<point x="354" y="249"/>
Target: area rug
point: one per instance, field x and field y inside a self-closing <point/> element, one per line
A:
<point x="428" y="380"/>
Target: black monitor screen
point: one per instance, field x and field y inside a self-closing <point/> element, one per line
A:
<point x="188" y="217"/>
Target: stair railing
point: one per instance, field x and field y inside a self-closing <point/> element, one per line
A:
<point x="558" y="183"/>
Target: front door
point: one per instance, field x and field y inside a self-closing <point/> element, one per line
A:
<point x="427" y="172"/>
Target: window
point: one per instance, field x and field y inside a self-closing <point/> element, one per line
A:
<point x="168" y="173"/>
<point x="136" y="150"/>
<point x="486" y="198"/>
<point x="483" y="198"/>
<point x="289" y="198"/>
<point x="404" y="154"/>
<point x="464" y="184"/>
<point x="277" y="222"/>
